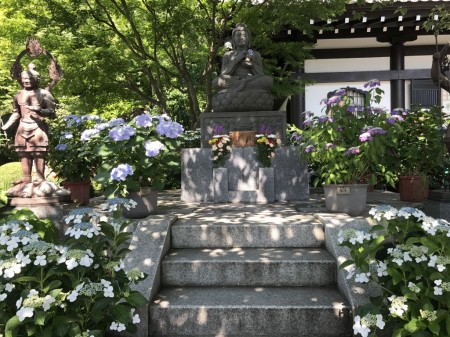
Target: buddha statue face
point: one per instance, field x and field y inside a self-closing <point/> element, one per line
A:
<point x="241" y="37"/>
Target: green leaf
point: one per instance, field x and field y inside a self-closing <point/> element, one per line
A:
<point x="11" y="326"/>
<point x="136" y="299"/>
<point x="121" y="313"/>
<point x="39" y="317"/>
<point x="411" y="326"/>
<point x="346" y="264"/>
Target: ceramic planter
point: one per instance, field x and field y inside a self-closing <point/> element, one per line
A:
<point x="346" y="198"/>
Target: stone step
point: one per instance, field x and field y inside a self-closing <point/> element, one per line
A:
<point x="255" y="228"/>
<point x="250" y="312"/>
<point x="249" y="267"/>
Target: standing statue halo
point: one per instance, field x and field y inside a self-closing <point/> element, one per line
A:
<point x="34" y="49"/>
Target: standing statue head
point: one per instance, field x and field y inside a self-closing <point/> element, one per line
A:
<point x="241" y="37"/>
<point x="30" y="78"/>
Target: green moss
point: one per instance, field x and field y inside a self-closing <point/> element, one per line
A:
<point x="8" y="173"/>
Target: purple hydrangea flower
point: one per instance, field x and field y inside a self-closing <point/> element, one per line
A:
<point x="169" y="129"/>
<point x="378" y="110"/>
<point x="340" y="92"/>
<point x="307" y="113"/>
<point x="329" y="146"/>
<point x="325" y="118"/>
<point x="365" y="137"/>
<point x="352" y="150"/>
<point x="152" y="148"/>
<point x="144" y="120"/>
<point x="394" y="118"/>
<point x="122" y="132"/>
<point x="307" y="122"/>
<point x="372" y="83"/>
<point x="61" y="147"/>
<point x="295" y="137"/>
<point x="334" y="99"/>
<point x="310" y="148"/>
<point x="377" y="131"/>
<point x="121" y="172"/>
<point x="87" y="134"/>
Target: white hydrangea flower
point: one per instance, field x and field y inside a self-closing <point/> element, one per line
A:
<point x="40" y="260"/>
<point x="359" y="328"/>
<point x="382" y="269"/>
<point x="24" y="312"/>
<point x="48" y="300"/>
<point x="362" y="278"/>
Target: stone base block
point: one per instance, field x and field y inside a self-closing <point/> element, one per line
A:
<point x="437" y="209"/>
<point x="248" y="100"/>
<point x="247" y="181"/>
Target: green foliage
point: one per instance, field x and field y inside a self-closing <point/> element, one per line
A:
<point x="77" y="288"/>
<point x="69" y="157"/>
<point x="418" y="148"/>
<point x="407" y="255"/>
<point x="8" y="173"/>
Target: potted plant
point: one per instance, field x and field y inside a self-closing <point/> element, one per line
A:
<point x="135" y="156"/>
<point x="345" y="145"/>
<point x="71" y="159"/>
<point x="419" y="151"/>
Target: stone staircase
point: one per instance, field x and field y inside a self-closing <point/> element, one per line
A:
<point x="248" y="271"/>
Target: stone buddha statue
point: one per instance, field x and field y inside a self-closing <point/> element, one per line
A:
<point x="242" y="85"/>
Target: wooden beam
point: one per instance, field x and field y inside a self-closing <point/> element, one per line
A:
<point x="363" y="76"/>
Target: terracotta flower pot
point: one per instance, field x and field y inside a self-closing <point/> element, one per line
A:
<point x="414" y="188"/>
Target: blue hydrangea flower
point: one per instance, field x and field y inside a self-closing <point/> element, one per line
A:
<point x="119" y="132"/>
<point x="101" y="126"/>
<point x="115" y="122"/>
<point x="121" y="172"/>
<point x="169" y="129"/>
<point x="144" y="120"/>
<point x="152" y="148"/>
<point x="72" y="120"/>
<point x="394" y="118"/>
<point x="61" y="147"/>
<point x="377" y="131"/>
<point x="87" y="134"/>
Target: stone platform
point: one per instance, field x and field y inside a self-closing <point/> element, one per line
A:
<point x="243" y="183"/>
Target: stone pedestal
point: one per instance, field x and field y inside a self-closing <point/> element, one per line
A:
<point x="220" y="185"/>
<point x="438" y="204"/>
<point x="43" y="208"/>
<point x="247" y="181"/>
<point x="242" y="121"/>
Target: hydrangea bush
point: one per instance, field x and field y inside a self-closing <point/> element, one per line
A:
<point x="347" y="143"/>
<point x="407" y="254"/>
<point x="139" y="153"/>
<point x="75" y="287"/>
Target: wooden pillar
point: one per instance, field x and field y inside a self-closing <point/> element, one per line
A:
<point x="397" y="62"/>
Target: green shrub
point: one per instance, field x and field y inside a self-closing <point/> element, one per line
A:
<point x="8" y="173"/>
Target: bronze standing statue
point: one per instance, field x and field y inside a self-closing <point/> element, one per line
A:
<point x="31" y="107"/>
<point x="242" y="85"/>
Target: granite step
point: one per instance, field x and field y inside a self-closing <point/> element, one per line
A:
<point x="254" y="228"/>
<point x="249" y="267"/>
<point x="250" y="312"/>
